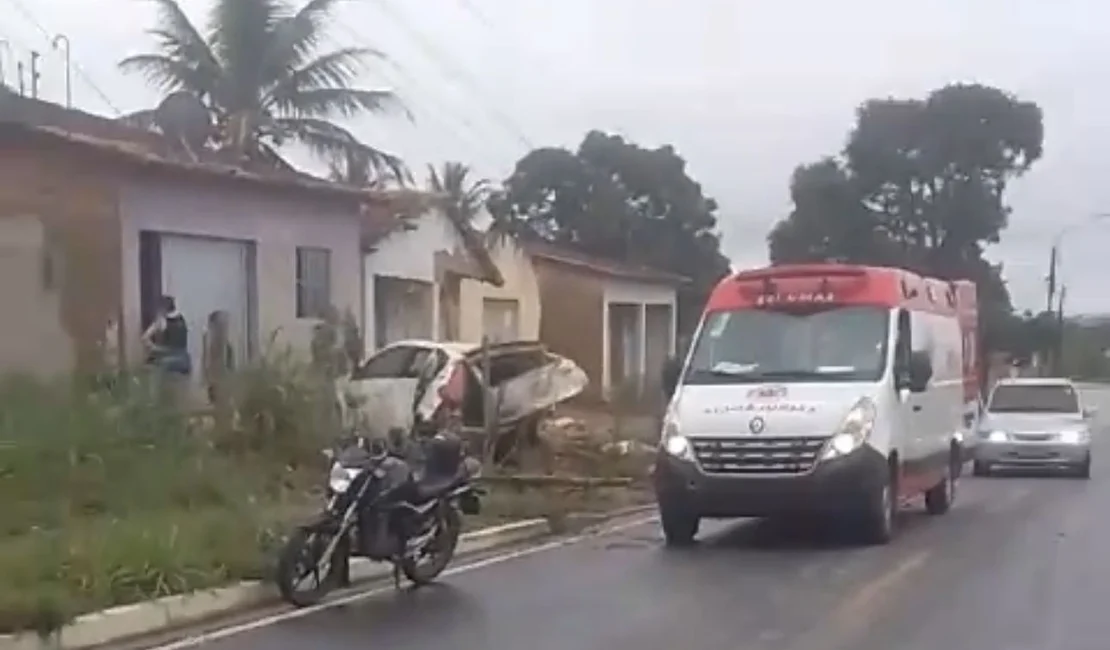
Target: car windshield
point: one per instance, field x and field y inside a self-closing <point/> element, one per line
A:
<point x="1034" y="398"/>
<point x="754" y="345"/>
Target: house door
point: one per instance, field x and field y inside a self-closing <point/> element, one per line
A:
<point x="501" y="319"/>
<point x="206" y="275"/>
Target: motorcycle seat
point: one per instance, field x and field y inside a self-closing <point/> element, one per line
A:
<point x="434" y="486"/>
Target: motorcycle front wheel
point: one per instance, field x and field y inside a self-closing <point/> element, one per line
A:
<point x="435" y="558"/>
<point x="300" y="561"/>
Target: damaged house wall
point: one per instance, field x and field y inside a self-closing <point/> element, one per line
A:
<point x="406" y="260"/>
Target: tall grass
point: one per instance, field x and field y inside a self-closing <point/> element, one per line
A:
<point x="113" y="496"/>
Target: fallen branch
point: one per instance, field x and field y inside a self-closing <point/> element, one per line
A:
<point x="572" y="481"/>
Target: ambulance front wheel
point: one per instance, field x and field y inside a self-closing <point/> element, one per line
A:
<point x="680" y="527"/>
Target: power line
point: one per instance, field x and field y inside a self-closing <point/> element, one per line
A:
<point x="26" y="13"/>
<point x="471" y="135"/>
<point x="440" y="58"/>
<point x="473" y="10"/>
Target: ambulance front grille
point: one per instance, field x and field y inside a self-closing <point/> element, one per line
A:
<point x="763" y="455"/>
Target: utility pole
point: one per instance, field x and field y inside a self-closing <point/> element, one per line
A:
<point x="5" y="54"/>
<point x="1059" y="366"/>
<point x="1051" y="278"/>
<point x="22" y="87"/>
<point x="35" y="76"/>
<point x="60" y="40"/>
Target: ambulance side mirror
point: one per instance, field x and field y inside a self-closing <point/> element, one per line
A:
<point x="920" y="371"/>
<point x="669" y="381"/>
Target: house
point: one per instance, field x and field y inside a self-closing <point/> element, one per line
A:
<point x="413" y="276"/>
<point x="504" y="312"/>
<point x="617" y="321"/>
<point x="93" y="229"/>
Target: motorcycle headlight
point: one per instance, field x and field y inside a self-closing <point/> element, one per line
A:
<point x="340" y="478"/>
<point x="673" y="442"/>
<point x="853" y="431"/>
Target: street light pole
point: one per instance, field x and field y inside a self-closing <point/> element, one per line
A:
<point x="59" y="40"/>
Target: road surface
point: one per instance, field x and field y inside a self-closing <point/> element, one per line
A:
<point x="1020" y="563"/>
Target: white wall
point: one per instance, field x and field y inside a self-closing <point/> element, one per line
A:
<point x="642" y="293"/>
<point x="276" y="224"/>
<point x="407" y="254"/>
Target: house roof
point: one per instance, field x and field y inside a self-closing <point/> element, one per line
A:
<point x="601" y="266"/>
<point x="432" y="203"/>
<point x="35" y="121"/>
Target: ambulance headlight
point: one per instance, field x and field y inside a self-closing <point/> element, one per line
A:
<point x="673" y="442"/>
<point x="853" y="431"/>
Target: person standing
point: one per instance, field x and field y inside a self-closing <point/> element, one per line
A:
<point x="167" y="345"/>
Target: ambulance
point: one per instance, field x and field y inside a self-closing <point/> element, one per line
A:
<point x="820" y="391"/>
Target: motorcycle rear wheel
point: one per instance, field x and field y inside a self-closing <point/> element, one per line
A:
<point x="300" y="557"/>
<point x="426" y="568"/>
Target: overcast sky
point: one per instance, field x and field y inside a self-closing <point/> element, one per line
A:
<point x="744" y="90"/>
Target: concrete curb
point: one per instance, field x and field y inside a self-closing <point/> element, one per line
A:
<point x="140" y="619"/>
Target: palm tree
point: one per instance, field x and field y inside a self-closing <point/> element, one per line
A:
<point x="356" y="169"/>
<point x="464" y="200"/>
<point x="261" y="75"/>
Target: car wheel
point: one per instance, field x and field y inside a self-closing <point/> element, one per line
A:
<point x="880" y="515"/>
<point x="939" y="499"/>
<point x="680" y="527"/>
<point x="979" y="468"/>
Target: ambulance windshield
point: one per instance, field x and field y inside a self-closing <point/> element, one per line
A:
<point x="754" y="345"/>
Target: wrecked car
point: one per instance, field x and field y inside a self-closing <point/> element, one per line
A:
<point x="414" y="383"/>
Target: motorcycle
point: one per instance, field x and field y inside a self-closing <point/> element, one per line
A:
<point x="385" y="508"/>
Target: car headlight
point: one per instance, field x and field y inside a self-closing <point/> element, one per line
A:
<point x="853" y="430"/>
<point x="340" y="478"/>
<point x="673" y="442"/>
<point x="997" y="436"/>
<point x="1074" y="437"/>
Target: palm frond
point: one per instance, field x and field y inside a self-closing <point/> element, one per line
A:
<point x="168" y="74"/>
<point x="179" y="39"/>
<point x="464" y="200"/>
<point x="296" y="37"/>
<point x="336" y="69"/>
<point x="332" y="142"/>
<point x="345" y="102"/>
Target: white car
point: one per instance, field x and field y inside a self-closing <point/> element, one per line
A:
<point x="402" y="382"/>
<point x="1038" y="422"/>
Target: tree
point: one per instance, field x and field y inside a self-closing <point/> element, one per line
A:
<point x="616" y="200"/>
<point x="920" y="185"/>
<point x="465" y="198"/>
<point x="261" y="75"/>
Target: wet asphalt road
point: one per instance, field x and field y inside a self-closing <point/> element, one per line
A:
<point x="1020" y="563"/>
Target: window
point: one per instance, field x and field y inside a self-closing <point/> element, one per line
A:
<point x="748" y="346"/>
<point x="1034" y="398"/>
<point x="402" y="362"/>
<point x="313" y="282"/>
<point x="389" y="363"/>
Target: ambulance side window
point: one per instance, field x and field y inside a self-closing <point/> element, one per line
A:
<point x="922" y="333"/>
<point x="902" y="347"/>
<point x="904" y="344"/>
